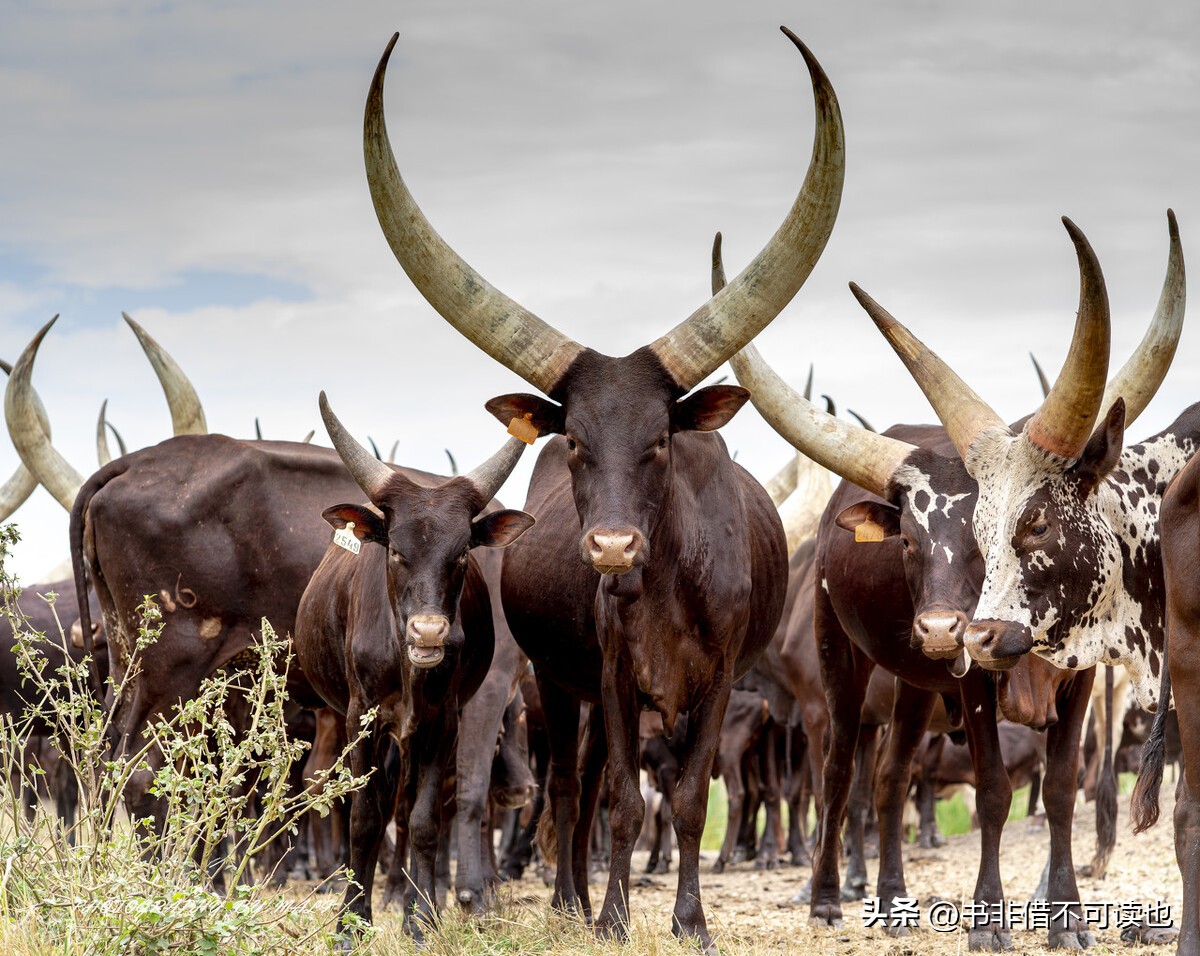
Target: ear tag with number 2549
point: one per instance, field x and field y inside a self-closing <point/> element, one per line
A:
<point x="344" y="538"/>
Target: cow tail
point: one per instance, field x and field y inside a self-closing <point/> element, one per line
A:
<point x="1106" y="789"/>
<point x="1143" y="805"/>
<point x="79" y="571"/>
<point x="547" y="833"/>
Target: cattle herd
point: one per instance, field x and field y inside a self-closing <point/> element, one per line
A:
<point x="651" y="607"/>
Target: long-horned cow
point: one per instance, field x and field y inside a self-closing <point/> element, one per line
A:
<point x="656" y="572"/>
<point x="403" y="625"/>
<point x="921" y="506"/>
<point x="1067" y="518"/>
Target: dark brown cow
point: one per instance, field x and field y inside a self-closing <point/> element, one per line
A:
<point x="924" y="511"/>
<point x="403" y="628"/>
<point x="657" y="570"/>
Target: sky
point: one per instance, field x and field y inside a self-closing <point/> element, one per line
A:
<point x="200" y="167"/>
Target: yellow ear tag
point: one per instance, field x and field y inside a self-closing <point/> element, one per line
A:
<point x="869" y="531"/>
<point x="524" y="429"/>
<point x="344" y="538"/>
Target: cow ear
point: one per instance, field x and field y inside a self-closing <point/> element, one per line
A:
<point x="544" y="415"/>
<point x="1103" y="449"/>
<point x="368" y="526"/>
<point x="707" y="409"/>
<point x="877" y="513"/>
<point x="499" y="528"/>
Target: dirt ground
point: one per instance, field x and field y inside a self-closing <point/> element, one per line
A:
<point x="748" y="910"/>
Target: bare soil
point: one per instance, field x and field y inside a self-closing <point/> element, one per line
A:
<point x="749" y="910"/>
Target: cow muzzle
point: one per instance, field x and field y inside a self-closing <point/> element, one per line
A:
<point x="939" y="634"/>
<point x="613" y="552"/>
<point x="997" y="645"/>
<point x="426" y="639"/>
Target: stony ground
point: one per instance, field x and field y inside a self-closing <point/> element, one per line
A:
<point x="749" y="910"/>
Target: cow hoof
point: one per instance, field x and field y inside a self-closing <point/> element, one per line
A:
<point x="1078" y="939"/>
<point x="1150" y="935"/>
<point x="613" y="929"/>
<point x="470" y="901"/>
<point x="853" y="891"/>
<point x="825" y="915"/>
<point x="802" y="895"/>
<point x="990" y="940"/>
<point x="719" y="866"/>
<point x="663" y="866"/>
<point x="899" y="932"/>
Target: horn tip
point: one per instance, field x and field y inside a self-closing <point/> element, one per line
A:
<point x="1172" y="225"/>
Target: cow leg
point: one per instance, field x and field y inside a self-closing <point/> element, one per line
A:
<point x="797" y="793"/>
<point x="1058" y="792"/>
<point x="910" y="718"/>
<point x="626" y="806"/>
<point x="562" y="786"/>
<point x="844" y="676"/>
<point x="862" y="788"/>
<point x="731" y="747"/>
<point x="370" y="807"/>
<point x="691" y="808"/>
<point x="928" y="835"/>
<point x="591" y="778"/>
<point x="483" y="714"/>
<point x="431" y="748"/>
<point x="993" y="797"/>
<point x="768" y="852"/>
<point x="665" y="818"/>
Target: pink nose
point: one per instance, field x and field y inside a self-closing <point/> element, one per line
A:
<point x="941" y="632"/>
<point x="612" y="552"/>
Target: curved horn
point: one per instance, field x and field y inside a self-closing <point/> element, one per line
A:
<point x="489" y="476"/>
<point x="15" y="491"/>
<point x="867" y="459"/>
<point x="830" y="408"/>
<point x="187" y="415"/>
<point x="32" y="441"/>
<point x="864" y="458"/>
<point x="309" y="436"/>
<point x="391" y="459"/>
<point x="808" y="383"/>
<point x="117" y="435"/>
<point x="1063" y="424"/>
<point x="507" y="331"/>
<point x="375" y="448"/>
<point x="862" y="421"/>
<point x="964" y="413"/>
<point x="1042" y="380"/>
<point x="780" y="485"/>
<point x="732" y="317"/>
<point x="370" y="473"/>
<point x="102" y="452"/>
<point x="257" y="429"/>
<point x="453" y="463"/>
<point x="1139" y="378"/>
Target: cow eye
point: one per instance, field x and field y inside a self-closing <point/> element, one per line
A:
<point x="663" y="442"/>
<point x="905" y="542"/>
<point x="571" y="444"/>
<point x="1039" y="529"/>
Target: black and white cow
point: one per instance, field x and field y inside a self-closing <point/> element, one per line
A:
<point x="1067" y="518"/>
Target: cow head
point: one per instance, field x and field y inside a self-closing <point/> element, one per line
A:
<point x="428" y="532"/>
<point x="619" y="416"/>
<point x="1050" y="528"/>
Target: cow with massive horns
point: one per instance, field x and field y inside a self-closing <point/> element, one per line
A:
<point x="1068" y="523"/>
<point x="922" y="503"/>
<point x="657" y="569"/>
<point x="403" y="629"/>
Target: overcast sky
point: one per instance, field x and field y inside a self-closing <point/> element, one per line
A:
<point x="200" y="166"/>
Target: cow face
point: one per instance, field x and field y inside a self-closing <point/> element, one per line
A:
<point x="619" y="416"/>
<point x="932" y="502"/>
<point x="428" y="534"/>
<point x="1053" y="558"/>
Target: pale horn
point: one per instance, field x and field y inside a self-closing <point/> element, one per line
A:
<point x="1140" y="377"/>
<point x="18" y="488"/>
<point x="187" y="415"/>
<point x="30" y="438"/>
<point x="489" y="476"/>
<point x="866" y="459"/>
<point x="508" y="332"/>
<point x="368" y="471"/>
<point x="732" y="317"/>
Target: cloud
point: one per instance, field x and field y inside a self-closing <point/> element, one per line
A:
<point x="201" y="164"/>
